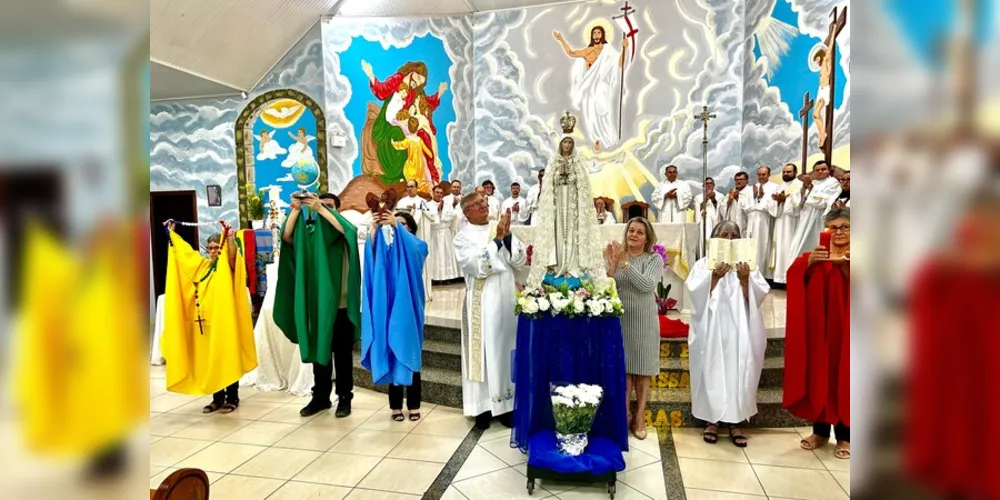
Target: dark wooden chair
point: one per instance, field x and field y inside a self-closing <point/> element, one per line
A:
<point x="185" y="484"/>
<point x="634" y="209"/>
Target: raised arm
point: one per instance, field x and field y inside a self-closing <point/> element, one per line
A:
<point x="231" y="241"/>
<point x="293" y="217"/>
<point x="566" y="48"/>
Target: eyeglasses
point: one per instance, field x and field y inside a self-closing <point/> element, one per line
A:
<point x="839" y="229"/>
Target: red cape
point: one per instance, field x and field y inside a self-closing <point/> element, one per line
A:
<point x="818" y="343"/>
<point x="954" y="380"/>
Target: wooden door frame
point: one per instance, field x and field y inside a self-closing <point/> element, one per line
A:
<point x="154" y="225"/>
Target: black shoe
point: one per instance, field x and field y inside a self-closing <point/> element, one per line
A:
<point x="506" y="420"/>
<point x="314" y="407"/>
<point x="483" y="420"/>
<point x="343" y="406"/>
<point x="109" y="465"/>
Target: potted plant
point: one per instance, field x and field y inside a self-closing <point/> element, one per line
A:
<point x="255" y="206"/>
<point x="669" y="328"/>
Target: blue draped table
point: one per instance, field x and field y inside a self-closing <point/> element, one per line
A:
<point x="568" y="351"/>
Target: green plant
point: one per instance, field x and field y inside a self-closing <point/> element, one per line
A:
<point x="255" y="205"/>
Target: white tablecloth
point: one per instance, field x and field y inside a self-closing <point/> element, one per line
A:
<point x="680" y="240"/>
<point x="279" y="366"/>
<point x="156" y="356"/>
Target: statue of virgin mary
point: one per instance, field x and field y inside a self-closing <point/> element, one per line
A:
<point x="566" y="245"/>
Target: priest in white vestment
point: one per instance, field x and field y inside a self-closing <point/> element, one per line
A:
<point x="488" y="256"/>
<point x="518" y="206"/>
<point x="452" y="198"/>
<point x="672" y="197"/>
<point x="819" y="191"/>
<point x="727" y="341"/>
<point x="417" y="207"/>
<point x="707" y="212"/>
<point x="788" y="202"/>
<point x="734" y="208"/>
<point x="443" y="264"/>
<point x="534" y="193"/>
<point x="604" y="216"/>
<point x="760" y="217"/>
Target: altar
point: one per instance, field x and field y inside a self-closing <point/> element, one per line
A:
<point x="679" y="239"/>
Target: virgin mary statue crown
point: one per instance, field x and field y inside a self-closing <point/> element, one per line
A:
<point x="568" y="123"/>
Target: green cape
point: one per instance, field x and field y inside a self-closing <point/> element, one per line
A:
<point x="310" y="274"/>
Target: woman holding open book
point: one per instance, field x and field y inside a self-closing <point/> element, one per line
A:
<point x="727" y="339"/>
<point x="637" y="270"/>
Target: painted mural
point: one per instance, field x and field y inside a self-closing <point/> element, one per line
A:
<point x="400" y="92"/>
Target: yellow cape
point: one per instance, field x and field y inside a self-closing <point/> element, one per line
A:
<point x="201" y="361"/>
<point x="80" y="376"/>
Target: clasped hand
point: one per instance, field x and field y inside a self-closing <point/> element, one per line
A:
<point x="820" y="254"/>
<point x="613" y="253"/>
<point x="503" y="227"/>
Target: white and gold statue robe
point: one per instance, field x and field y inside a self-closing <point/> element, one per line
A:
<point x="489" y="325"/>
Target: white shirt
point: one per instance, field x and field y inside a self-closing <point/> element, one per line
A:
<point x="519" y="217"/>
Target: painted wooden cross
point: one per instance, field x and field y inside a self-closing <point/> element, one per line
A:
<point x="836" y="26"/>
<point x="807" y="106"/>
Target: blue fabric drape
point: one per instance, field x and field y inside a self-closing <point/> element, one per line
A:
<point x="393" y="307"/>
<point x="568" y="351"/>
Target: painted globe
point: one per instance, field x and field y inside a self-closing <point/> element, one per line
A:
<point x="305" y="172"/>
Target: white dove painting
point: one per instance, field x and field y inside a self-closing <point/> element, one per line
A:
<point x="282" y="112"/>
<point x="268" y="147"/>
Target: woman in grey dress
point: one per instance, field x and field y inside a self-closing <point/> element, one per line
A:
<point x="637" y="271"/>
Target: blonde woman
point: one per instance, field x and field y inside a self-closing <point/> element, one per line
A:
<point x="637" y="271"/>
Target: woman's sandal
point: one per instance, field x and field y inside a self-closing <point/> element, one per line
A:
<point x="711" y="436"/>
<point x="397" y="416"/>
<point x="211" y="408"/>
<point x="228" y="408"/>
<point x="414" y="416"/>
<point x="738" y="438"/>
<point x="813" y="442"/>
<point x="843" y="450"/>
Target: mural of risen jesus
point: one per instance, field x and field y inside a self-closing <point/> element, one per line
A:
<point x="595" y="78"/>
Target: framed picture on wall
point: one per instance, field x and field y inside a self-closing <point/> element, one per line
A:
<point x="214" y="195"/>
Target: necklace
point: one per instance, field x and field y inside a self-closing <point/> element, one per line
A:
<point x="207" y="279"/>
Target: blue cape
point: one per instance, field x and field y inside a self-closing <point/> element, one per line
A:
<point x="392" y="306"/>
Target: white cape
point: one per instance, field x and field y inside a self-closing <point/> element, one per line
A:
<point x="726" y="344"/>
<point x="593" y="93"/>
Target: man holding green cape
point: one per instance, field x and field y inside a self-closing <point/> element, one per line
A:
<point x="317" y="302"/>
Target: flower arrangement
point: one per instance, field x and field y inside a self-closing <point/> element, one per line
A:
<point x="663" y="301"/>
<point x="662" y="252"/>
<point x="255" y="206"/>
<point x="573" y="408"/>
<point x="595" y="298"/>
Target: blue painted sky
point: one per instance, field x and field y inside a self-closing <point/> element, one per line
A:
<point x="267" y="172"/>
<point x="920" y="26"/>
<point x="427" y="49"/>
<point x="794" y="78"/>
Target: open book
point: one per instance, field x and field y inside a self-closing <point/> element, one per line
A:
<point x="732" y="252"/>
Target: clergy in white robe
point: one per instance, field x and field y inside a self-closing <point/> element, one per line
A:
<point x="727" y="339"/>
<point x="672" y="197"/>
<point x="488" y="256"/>
<point x="518" y="206"/>
<point x="760" y="217"/>
<point x="604" y="216"/>
<point x="452" y="199"/>
<point x="534" y="194"/>
<point x="443" y="264"/>
<point x="418" y="207"/>
<point x="734" y="207"/>
<point x="788" y="203"/>
<point x="819" y="191"/>
<point x="707" y="214"/>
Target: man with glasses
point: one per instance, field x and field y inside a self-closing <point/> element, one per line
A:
<point x="819" y="191"/>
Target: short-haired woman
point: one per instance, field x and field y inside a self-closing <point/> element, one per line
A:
<point x="637" y="270"/>
<point x="727" y="341"/>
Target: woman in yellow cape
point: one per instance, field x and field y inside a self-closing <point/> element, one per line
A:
<point x="207" y="334"/>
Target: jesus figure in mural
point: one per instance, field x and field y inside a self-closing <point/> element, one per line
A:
<point x="595" y="78"/>
<point x="399" y="93"/>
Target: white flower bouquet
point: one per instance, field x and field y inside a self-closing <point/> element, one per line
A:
<point x="574" y="407"/>
<point x="598" y="298"/>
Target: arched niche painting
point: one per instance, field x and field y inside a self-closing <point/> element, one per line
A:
<point x="280" y="138"/>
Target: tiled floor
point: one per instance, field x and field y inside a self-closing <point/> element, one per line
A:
<point x="772" y="466"/>
<point x="264" y="450"/>
<point x="494" y="470"/>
